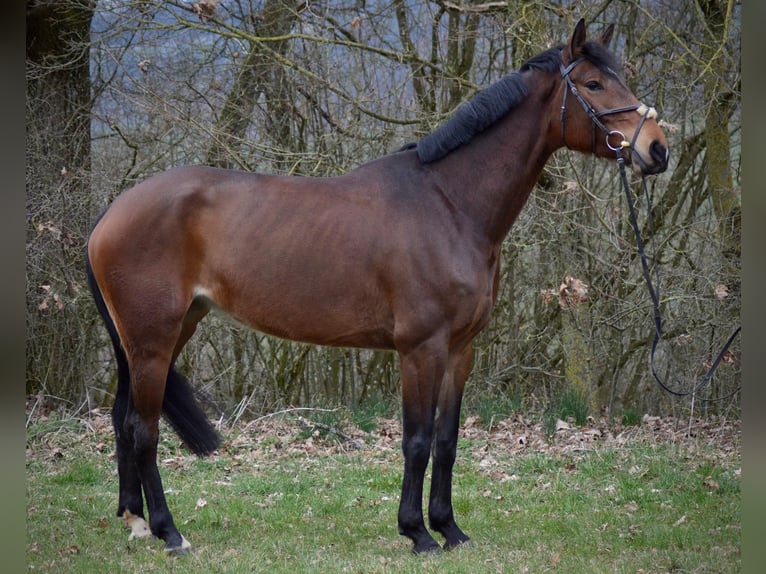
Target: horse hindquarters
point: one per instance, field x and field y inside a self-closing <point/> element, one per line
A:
<point x="150" y="324"/>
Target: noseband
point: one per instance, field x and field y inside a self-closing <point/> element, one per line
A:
<point x="646" y="112"/>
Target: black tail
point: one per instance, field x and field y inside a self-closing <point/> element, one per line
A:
<point x="186" y="417"/>
<point x="178" y="406"/>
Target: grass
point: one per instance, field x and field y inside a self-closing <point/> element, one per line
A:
<point x="570" y="405"/>
<point x="491" y="407"/>
<point x="276" y="500"/>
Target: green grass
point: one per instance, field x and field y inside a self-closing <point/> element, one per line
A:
<point x="492" y="407"/>
<point x="571" y="404"/>
<point x="278" y="501"/>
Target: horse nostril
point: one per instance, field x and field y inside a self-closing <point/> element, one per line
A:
<point x="659" y="154"/>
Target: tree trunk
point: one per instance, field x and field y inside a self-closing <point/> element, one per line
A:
<point x="58" y="89"/>
<point x="719" y="97"/>
<point x="575" y="316"/>
<point x="260" y="74"/>
<point x="58" y="188"/>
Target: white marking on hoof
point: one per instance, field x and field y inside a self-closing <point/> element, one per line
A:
<point x="179" y="550"/>
<point x="138" y="526"/>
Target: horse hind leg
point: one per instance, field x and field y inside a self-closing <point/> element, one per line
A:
<point x="149" y="372"/>
<point x="131" y="501"/>
<point x="130" y="498"/>
<point x="150" y="339"/>
<point x="158" y="389"/>
<point x="148" y="328"/>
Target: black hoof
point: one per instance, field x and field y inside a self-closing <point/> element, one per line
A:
<point x="453" y="536"/>
<point x="178" y="549"/>
<point x="429" y="546"/>
<point x="462" y="541"/>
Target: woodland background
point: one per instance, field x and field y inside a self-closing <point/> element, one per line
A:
<point x="119" y="90"/>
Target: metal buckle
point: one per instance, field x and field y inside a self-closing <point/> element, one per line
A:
<point x="623" y="142"/>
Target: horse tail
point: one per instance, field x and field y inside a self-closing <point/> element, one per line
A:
<point x="179" y="407"/>
<point x="186" y="417"/>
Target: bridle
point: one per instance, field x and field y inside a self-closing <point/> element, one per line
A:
<point x="646" y="112"/>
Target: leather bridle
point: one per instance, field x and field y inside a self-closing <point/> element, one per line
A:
<point x="646" y="112"/>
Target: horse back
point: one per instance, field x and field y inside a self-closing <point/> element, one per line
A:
<point x="322" y="260"/>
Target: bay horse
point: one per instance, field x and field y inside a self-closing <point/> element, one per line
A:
<point x="401" y="253"/>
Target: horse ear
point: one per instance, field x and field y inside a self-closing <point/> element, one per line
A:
<point x="578" y="39"/>
<point x="606" y="36"/>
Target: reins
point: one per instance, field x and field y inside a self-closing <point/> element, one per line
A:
<point x="646" y="112"/>
<point x="655" y="295"/>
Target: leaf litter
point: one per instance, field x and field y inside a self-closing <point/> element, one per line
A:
<point x="269" y="440"/>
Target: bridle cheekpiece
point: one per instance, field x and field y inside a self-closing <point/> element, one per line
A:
<point x="646" y="112"/>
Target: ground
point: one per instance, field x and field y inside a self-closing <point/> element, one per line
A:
<point x="297" y="431"/>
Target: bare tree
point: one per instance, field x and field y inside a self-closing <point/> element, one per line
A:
<point x="58" y="188"/>
<point x="316" y="88"/>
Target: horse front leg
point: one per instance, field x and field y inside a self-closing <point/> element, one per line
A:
<point x="440" y="513"/>
<point x="422" y="370"/>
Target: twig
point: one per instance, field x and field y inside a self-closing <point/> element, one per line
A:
<point x="293" y="410"/>
<point x="307" y="424"/>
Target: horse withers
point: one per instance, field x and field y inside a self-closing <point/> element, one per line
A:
<point x="401" y="253"/>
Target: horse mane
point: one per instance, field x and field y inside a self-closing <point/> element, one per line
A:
<point x="473" y="117"/>
<point x="496" y="101"/>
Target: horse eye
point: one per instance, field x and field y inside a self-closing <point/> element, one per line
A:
<point x="594" y="86"/>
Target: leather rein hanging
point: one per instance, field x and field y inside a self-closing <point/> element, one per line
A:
<point x="646" y="112"/>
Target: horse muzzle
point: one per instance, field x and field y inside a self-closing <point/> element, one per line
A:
<point x="659" y="155"/>
<point x="654" y="161"/>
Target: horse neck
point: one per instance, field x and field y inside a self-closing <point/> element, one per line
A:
<point x="492" y="176"/>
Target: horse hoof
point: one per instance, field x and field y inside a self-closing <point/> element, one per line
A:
<point x="184" y="548"/>
<point x="450" y="544"/>
<point x="426" y="547"/>
<point x="138" y="526"/>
